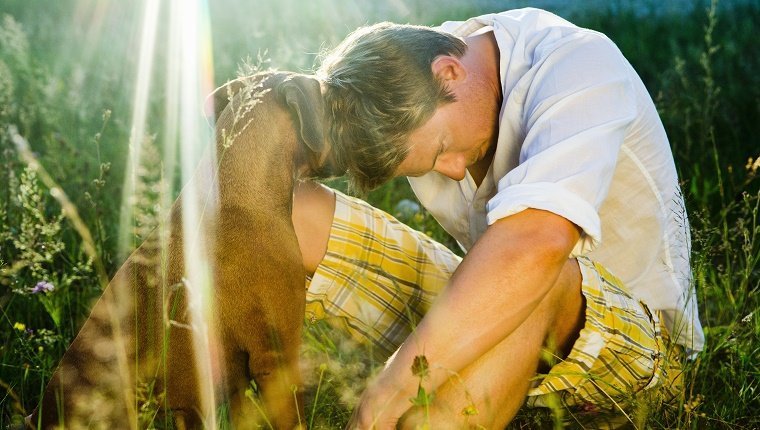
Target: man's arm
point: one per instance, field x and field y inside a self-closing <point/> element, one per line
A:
<point x="494" y="290"/>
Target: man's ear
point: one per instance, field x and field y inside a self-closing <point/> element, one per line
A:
<point x="303" y="97"/>
<point x="448" y="69"/>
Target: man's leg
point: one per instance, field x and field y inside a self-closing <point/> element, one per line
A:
<point x="620" y="362"/>
<point x="369" y="275"/>
<point x="489" y="392"/>
<point x="313" y="208"/>
<point x="499" y="380"/>
<point x="376" y="277"/>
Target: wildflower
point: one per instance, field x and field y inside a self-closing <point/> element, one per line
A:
<point x="19" y="326"/>
<point x="43" y="287"/>
<point x="589" y="408"/>
<point x="753" y="165"/>
<point x="693" y="403"/>
<point x="420" y="366"/>
<point x="470" y="410"/>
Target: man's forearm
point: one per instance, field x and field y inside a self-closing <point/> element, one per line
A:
<point x="497" y="286"/>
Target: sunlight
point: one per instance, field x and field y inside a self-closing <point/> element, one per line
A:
<point x="189" y="78"/>
<point x="190" y="27"/>
<point x="126" y="239"/>
<point x="101" y="123"/>
<point x="137" y="131"/>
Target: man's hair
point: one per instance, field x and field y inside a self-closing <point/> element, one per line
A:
<point x="379" y="87"/>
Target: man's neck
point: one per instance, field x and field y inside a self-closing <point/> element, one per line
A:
<point x="478" y="170"/>
<point x="483" y="58"/>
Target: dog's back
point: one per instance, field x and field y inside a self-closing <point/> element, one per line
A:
<point x="262" y="258"/>
<point x="269" y="127"/>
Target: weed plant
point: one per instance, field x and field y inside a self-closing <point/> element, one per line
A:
<point x="73" y="108"/>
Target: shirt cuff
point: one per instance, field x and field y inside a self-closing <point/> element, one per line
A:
<point x="553" y="198"/>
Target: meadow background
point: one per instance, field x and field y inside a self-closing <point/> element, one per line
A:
<point x="67" y="80"/>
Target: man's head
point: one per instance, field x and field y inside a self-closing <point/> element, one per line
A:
<point x="379" y="88"/>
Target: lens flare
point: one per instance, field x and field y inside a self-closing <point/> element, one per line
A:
<point x="126" y="242"/>
<point x="199" y="198"/>
<point x="137" y="132"/>
<point x="188" y="79"/>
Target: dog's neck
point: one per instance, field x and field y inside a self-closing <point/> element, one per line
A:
<point x="317" y="165"/>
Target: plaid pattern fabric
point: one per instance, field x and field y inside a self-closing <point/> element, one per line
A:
<point x="622" y="351"/>
<point x="379" y="277"/>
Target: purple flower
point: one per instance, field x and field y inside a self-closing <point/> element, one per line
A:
<point x="43" y="287"/>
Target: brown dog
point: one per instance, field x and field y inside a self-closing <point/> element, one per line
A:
<point x="136" y="348"/>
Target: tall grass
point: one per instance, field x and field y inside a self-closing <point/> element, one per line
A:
<point x="72" y="105"/>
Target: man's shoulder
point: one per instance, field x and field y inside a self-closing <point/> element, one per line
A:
<point x="528" y="18"/>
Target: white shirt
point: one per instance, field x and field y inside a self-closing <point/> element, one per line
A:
<point x="579" y="136"/>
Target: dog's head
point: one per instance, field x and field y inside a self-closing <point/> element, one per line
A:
<point x="302" y="96"/>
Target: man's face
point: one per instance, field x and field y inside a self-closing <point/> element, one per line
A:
<point x="453" y="139"/>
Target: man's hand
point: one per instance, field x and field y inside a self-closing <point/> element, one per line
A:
<point x="379" y="408"/>
<point x="382" y="404"/>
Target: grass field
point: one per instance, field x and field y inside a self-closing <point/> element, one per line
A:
<point x="69" y="71"/>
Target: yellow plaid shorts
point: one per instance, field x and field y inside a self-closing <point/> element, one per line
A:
<point x="379" y="277"/>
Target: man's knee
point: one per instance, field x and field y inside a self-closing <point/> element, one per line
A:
<point x="313" y="211"/>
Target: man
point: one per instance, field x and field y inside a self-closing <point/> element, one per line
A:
<point x="535" y="144"/>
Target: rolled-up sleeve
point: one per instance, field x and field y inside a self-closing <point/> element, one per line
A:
<point x="579" y="104"/>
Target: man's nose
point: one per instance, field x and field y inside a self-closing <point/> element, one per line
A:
<point x="453" y="166"/>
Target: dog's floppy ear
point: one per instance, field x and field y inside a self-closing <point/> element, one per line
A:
<point x="215" y="102"/>
<point x="303" y="97"/>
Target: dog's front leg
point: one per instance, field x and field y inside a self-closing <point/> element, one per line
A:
<point x="261" y="300"/>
